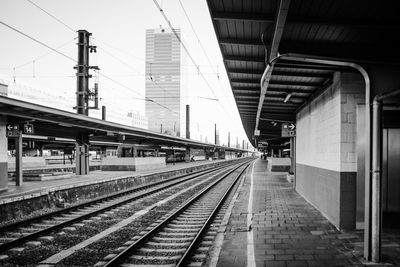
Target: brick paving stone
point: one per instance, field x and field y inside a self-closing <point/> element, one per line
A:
<point x="296" y="263"/>
<point x="287" y="230"/>
<point x="275" y="263"/>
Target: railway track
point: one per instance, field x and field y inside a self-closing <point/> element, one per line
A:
<point x="183" y="236"/>
<point x="19" y="233"/>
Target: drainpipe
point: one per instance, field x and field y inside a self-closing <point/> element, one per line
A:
<point x="335" y="62"/>
<point x="376" y="207"/>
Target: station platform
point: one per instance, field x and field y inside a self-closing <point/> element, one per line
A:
<point x="272" y="225"/>
<point x="68" y="180"/>
<point x="22" y="200"/>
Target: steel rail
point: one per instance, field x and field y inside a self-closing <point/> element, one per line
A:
<point x="197" y="239"/>
<point x="138" y="243"/>
<point x="39" y="233"/>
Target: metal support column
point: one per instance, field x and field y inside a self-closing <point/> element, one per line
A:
<point x="103" y="113"/>
<point x="376" y="183"/>
<point x="215" y="133"/>
<point x="82" y="101"/>
<point x="18" y="160"/>
<point x="229" y="139"/>
<point x="374" y="233"/>
<point x="291" y="154"/>
<point x="187" y="154"/>
<point x="187" y="122"/>
<point x="82" y="154"/>
<point x="82" y="74"/>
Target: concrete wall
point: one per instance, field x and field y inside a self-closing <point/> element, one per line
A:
<point x="51" y="197"/>
<point x="326" y="161"/>
<point x="3" y="155"/>
<point x="279" y="164"/>
<point x="132" y="164"/>
<point x="27" y="162"/>
<point x="149" y="163"/>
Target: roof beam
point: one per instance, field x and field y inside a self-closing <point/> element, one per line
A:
<point x="272" y="82"/>
<point x="294" y="65"/>
<point x="244" y="16"/>
<point x="245" y="59"/>
<point x="289" y="90"/>
<point x="240" y="90"/>
<point x="235" y="41"/>
<point x="245" y="71"/>
<point x="273" y="52"/>
<point x="269" y="18"/>
<point x="259" y="72"/>
<point x="301" y="74"/>
<point x="351" y="51"/>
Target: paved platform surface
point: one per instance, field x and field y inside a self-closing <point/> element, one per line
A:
<point x="285" y="230"/>
<point x="32" y="187"/>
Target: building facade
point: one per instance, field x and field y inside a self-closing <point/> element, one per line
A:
<point x="163" y="81"/>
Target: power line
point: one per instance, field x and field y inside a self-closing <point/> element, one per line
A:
<point x="37" y="41"/>
<point x="198" y="39"/>
<point x="121" y="61"/>
<point x="118" y="49"/>
<point x="205" y="53"/>
<point x="55" y="50"/>
<point x="126" y="87"/>
<point x="119" y="83"/>
<point x="54" y="17"/>
<point x="43" y="55"/>
<point x="184" y="47"/>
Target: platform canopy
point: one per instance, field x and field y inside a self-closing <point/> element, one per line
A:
<point x="252" y="33"/>
<point x="52" y="123"/>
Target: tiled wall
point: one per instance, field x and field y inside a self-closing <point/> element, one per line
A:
<point x="326" y="156"/>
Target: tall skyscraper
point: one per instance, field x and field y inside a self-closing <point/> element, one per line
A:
<point x="163" y="81"/>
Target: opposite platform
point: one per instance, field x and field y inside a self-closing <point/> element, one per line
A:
<point x="34" y="196"/>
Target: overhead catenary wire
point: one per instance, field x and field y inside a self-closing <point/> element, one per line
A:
<point x="37" y="41"/>
<point x="43" y="55"/>
<point x="198" y="39"/>
<point x="70" y="58"/>
<point x="126" y="87"/>
<point x="110" y="54"/>
<point x="184" y="47"/>
<point x="52" y="16"/>
<point x="118" y="49"/>
<point x="188" y="53"/>
<point x="121" y="61"/>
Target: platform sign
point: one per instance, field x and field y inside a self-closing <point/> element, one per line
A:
<point x="28" y="128"/>
<point x="12" y="130"/>
<point x="288" y="129"/>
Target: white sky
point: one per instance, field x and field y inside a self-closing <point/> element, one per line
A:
<point x="118" y="28"/>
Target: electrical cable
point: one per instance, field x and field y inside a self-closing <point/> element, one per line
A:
<point x="144" y="99"/>
<point x="188" y="53"/>
<point x="37" y="41"/>
<point x="184" y="47"/>
<point x="54" y="17"/>
<point x="118" y="49"/>
<point x="126" y="87"/>
<point x="198" y="39"/>
<point x="121" y="61"/>
<point x="205" y="53"/>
